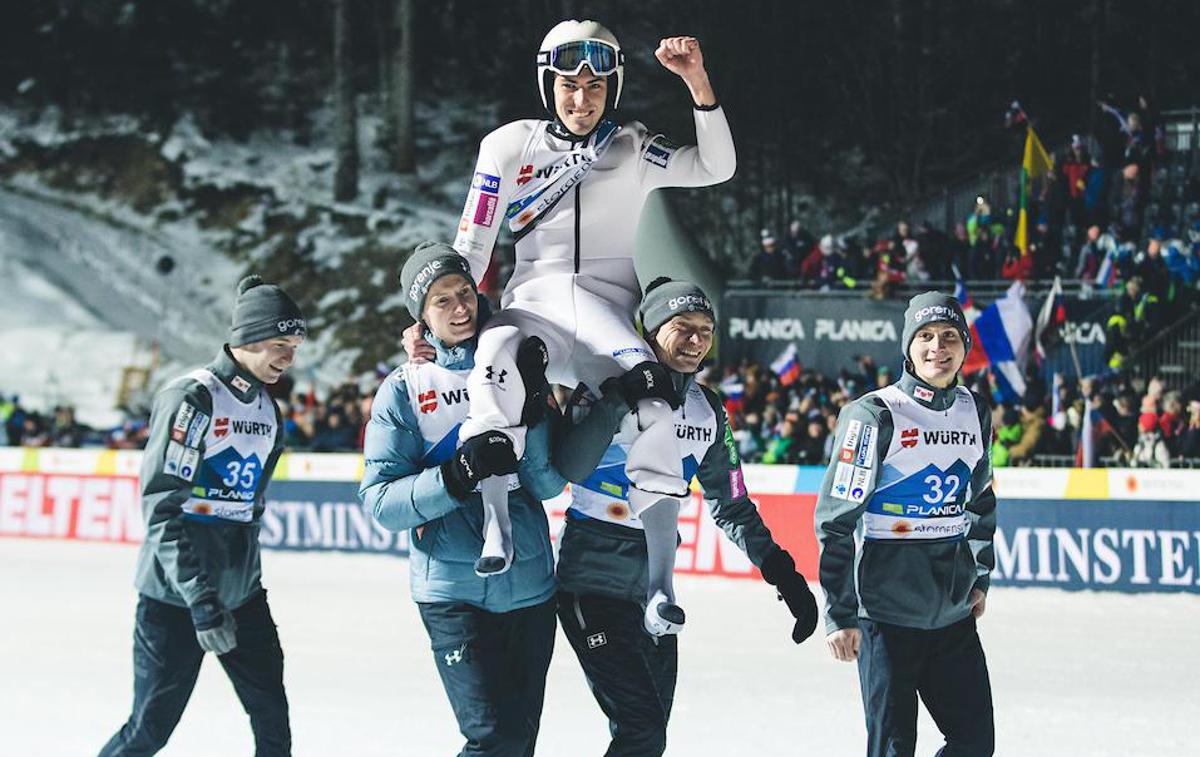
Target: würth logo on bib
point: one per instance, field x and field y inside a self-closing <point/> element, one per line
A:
<point x="220" y="427"/>
<point x="909" y="438"/>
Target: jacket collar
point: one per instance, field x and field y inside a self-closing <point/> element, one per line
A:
<point x="234" y="375"/>
<point x="459" y="357"/>
<point x="925" y="394"/>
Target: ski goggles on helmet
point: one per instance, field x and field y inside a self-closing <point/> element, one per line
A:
<point x="569" y="58"/>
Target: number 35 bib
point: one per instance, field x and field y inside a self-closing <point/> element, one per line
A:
<point x="237" y="444"/>
<point x="924" y="482"/>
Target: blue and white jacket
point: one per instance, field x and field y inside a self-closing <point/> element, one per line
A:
<point x="414" y="428"/>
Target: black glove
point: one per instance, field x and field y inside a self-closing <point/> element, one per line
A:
<point x="489" y="454"/>
<point x="532" y="359"/>
<point x="779" y="570"/>
<point x="648" y="380"/>
<point x="216" y="630"/>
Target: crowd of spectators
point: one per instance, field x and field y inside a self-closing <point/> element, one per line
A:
<point x="311" y="424"/>
<point x="1087" y="221"/>
<point x="334" y="424"/>
<point x="791" y="423"/>
<point x="23" y="427"/>
<point x="1131" y="424"/>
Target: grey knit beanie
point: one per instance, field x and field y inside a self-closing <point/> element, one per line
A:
<point x="664" y="299"/>
<point x="263" y="311"/>
<point x="429" y="262"/>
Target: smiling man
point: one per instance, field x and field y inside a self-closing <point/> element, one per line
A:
<point x="603" y="565"/>
<point x="906" y="517"/>
<point x="215" y="436"/>
<point x="491" y="637"/>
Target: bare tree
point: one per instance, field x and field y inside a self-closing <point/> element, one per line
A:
<point x="402" y="100"/>
<point x="345" y="179"/>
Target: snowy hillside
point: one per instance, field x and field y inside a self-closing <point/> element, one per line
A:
<point x="87" y="214"/>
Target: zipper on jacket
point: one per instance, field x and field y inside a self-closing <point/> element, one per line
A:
<point x="577" y="227"/>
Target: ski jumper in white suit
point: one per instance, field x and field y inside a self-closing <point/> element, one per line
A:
<point x="574" y="207"/>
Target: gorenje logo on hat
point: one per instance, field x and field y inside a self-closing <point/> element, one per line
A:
<point x="936" y="313"/>
<point x="689" y="300"/>
<point x="291" y="323"/>
<point x="426" y="273"/>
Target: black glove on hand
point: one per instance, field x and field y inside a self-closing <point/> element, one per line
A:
<point x="648" y="380"/>
<point x="779" y="570"/>
<point x="532" y="359"/>
<point x="216" y="630"/>
<point x="489" y="454"/>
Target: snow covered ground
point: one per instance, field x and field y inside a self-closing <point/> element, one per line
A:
<point x="1073" y="673"/>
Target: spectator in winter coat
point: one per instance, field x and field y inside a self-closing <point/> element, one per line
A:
<point x="1128" y="200"/>
<point x="1150" y="451"/>
<point x="782" y="446"/>
<point x="811" y="450"/>
<point x="1190" y="446"/>
<point x="1075" y="170"/>
<point x="1172" y="423"/>
<point x="1091" y="255"/>
<point x="772" y="264"/>
<point x="1033" y="423"/>
<point x="1008" y="433"/>
<point x="799" y="241"/>
<point x="1152" y="269"/>
<point x="1183" y="262"/>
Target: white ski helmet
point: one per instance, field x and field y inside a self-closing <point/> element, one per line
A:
<point x="571" y="45"/>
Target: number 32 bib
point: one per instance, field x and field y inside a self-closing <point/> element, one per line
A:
<point x="924" y="482"/>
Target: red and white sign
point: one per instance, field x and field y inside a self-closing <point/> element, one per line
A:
<point x="64" y="506"/>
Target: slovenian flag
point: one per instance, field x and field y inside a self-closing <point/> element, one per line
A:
<point x="1106" y="277"/>
<point x="1000" y="340"/>
<point x="962" y="295"/>
<point x="786" y="366"/>
<point x="732" y="389"/>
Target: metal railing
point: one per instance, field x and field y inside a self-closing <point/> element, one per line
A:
<point x="1173" y="355"/>
<point x="985" y="290"/>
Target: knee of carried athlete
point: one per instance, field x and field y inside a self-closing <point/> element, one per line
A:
<point x="496" y="372"/>
<point x="654" y="411"/>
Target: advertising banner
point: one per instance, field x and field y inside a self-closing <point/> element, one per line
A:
<point x="830" y="332"/>
<point x="1122" y="530"/>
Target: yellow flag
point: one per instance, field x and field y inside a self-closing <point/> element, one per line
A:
<point x="1037" y="162"/>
